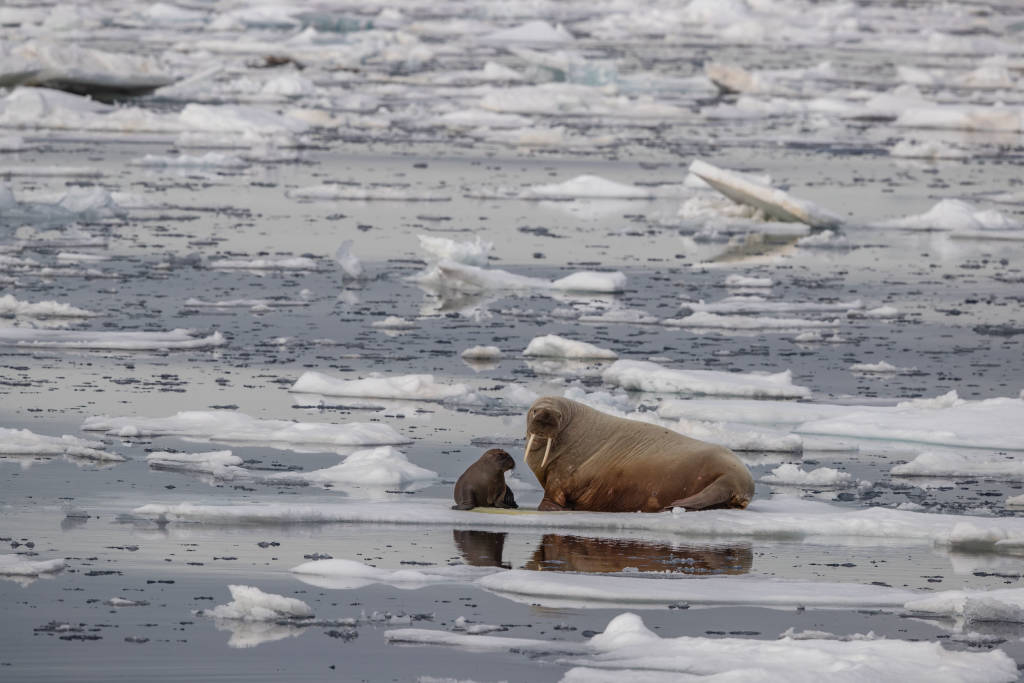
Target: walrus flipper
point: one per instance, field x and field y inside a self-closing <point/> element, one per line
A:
<point x="507" y="501"/>
<point x="463" y="506"/>
<point x="717" y="494"/>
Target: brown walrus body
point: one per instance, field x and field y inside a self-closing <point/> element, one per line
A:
<point x="483" y="483"/>
<point x="588" y="460"/>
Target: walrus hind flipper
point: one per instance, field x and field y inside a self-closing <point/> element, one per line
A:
<point x="715" y="495"/>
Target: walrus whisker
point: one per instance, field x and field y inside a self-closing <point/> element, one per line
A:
<point x="546" y="451"/>
<point x="528" y="444"/>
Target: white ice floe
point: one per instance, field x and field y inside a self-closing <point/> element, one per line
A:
<point x="927" y="149"/>
<point x="254" y="304"/>
<point x="746" y="411"/>
<point x="249" y="603"/>
<point x="948" y="464"/>
<point x="963" y="117"/>
<point x="340" y="574"/>
<point x="18" y="565"/>
<point x="267" y="263"/>
<point x="371" y="193"/>
<point x="588" y="187"/>
<point x="208" y="160"/>
<point x="774" y="202"/>
<point x="552" y="345"/>
<point x="383" y="466"/>
<point x="42" y="309"/>
<point x="62" y="65"/>
<point x="955" y="215"/>
<point x="758" y="304"/>
<point x="735" y="280"/>
<point x="736" y="438"/>
<point x="222" y="425"/>
<point x="777" y="518"/>
<point x="470" y="253"/>
<point x="1015" y="501"/>
<point x="789" y="474"/>
<point x="482" y="353"/>
<point x="1004" y="605"/>
<point x="25" y="442"/>
<point x="450" y="275"/>
<point x="218" y="464"/>
<point x="629" y="651"/>
<point x="701" y="319"/>
<point x="881" y="367"/>
<point x="995" y="423"/>
<point x="826" y="239"/>
<point x="650" y="376"/>
<point x="393" y="322"/>
<point x="531" y="32"/>
<point x="403" y="387"/>
<point x="114" y="341"/>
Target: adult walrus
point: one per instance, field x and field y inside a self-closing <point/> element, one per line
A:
<point x="588" y="460"/>
<point x="483" y="483"/>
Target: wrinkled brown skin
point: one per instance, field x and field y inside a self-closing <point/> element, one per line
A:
<point x="483" y="483"/>
<point x="596" y="555"/>
<point x="604" y="463"/>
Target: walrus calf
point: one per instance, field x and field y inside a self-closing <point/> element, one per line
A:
<point x="483" y="483"/>
<point x="588" y="460"/>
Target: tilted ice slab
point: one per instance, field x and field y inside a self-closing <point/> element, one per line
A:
<point x="451" y="275"/>
<point x="407" y="387"/>
<point x="778" y="518"/>
<point x="552" y="345"/>
<point x="994" y="423"/>
<point x="249" y="603"/>
<point x="120" y="341"/>
<point x="221" y="425"/>
<point x="19" y="565"/>
<point x="632" y="652"/>
<point x="649" y="376"/>
<point x="587" y="187"/>
<point x="961" y="465"/>
<point x="25" y="442"/>
<point x="774" y="202"/>
<point x="745" y="322"/>
<point x="42" y="309"/>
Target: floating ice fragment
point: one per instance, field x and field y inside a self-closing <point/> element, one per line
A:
<point x="348" y="261"/>
<point x="25" y="442"/>
<point x="19" y="565"/>
<point x="530" y="32"/>
<point x="210" y="160"/>
<point x="267" y="263"/>
<point x="701" y="319"/>
<point x="946" y="464"/>
<point x="450" y="275"/>
<point x="43" y="309"/>
<point x="482" y="353"/>
<point x="251" y="604"/>
<point x="881" y="367"/>
<point x="791" y="475"/>
<point x="649" y="376"/>
<point x="552" y="345"/>
<point x="443" y="249"/>
<point x="393" y="322"/>
<point x="589" y="187"/>
<point x="124" y="341"/>
<point x="735" y="280"/>
<point x="407" y="387"/>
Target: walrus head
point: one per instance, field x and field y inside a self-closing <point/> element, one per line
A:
<point x="500" y="459"/>
<point x="546" y="419"/>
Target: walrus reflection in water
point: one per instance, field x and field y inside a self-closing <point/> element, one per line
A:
<point x="597" y="555"/>
<point x="589" y="460"/>
<point x="481" y="548"/>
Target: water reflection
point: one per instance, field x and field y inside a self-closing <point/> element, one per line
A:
<point x="481" y="548"/>
<point x="600" y="555"/>
<point x="560" y="552"/>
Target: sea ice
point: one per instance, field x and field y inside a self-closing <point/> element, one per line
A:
<point x="881" y="367"/>
<point x="25" y="442"/>
<point x="223" y="425"/>
<point x="702" y="319"/>
<point x="589" y="187"/>
<point x="42" y="309"/>
<point x="955" y="215"/>
<point x="267" y="263"/>
<point x="249" y="603"/>
<point x="18" y="565"/>
<point x="649" y="376"/>
<point x="383" y="466"/>
<point x="946" y="464"/>
<point x="340" y="574"/>
<point x="791" y="475"/>
<point x="735" y="280"/>
<point x="402" y="387"/>
<point x="552" y="345"/>
<point x="123" y="341"/>
<point x="208" y="160"/>
<point x="451" y="275"/>
<point x="443" y="249"/>
<point x="482" y="353"/>
<point x="757" y="304"/>
<point x="360" y="193"/>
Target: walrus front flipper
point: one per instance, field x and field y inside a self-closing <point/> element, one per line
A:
<point x="717" y="494"/>
<point x="463" y="506"/>
<point x="507" y="501"/>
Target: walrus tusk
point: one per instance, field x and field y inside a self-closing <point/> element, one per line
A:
<point x="546" y="451"/>
<point x="528" y="444"/>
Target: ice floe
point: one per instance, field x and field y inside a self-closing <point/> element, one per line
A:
<point x="745" y="322"/>
<point x="454" y="276"/>
<point x="13" y="565"/>
<point x="789" y="474"/>
<point x="552" y="345"/>
<point x="483" y="353"/>
<point x="470" y="253"/>
<point x="629" y="651"/>
<point x="114" y="341"/>
<point x="372" y="193"/>
<point x="881" y="367"/>
<point x="652" y="377"/>
<point x="758" y="304"/>
<point x="951" y="464"/>
<point x="405" y="387"/>
<point x="249" y="603"/>
<point x="347" y="574"/>
<point x="223" y="425"/>
<point x="588" y="187"/>
<point x="267" y="263"/>
<point x="955" y="215"/>
<point x="208" y="160"/>
<point x="776" y="518"/>
<point x="25" y="442"/>
<point x="42" y="309"/>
